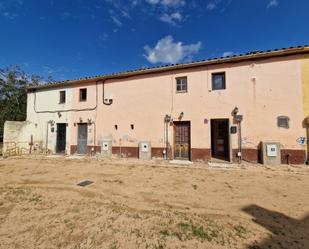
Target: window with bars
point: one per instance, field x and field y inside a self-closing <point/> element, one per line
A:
<point x="283" y="121"/>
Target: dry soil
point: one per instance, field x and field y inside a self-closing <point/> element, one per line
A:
<point x="134" y="204"/>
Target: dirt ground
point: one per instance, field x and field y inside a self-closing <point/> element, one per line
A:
<point x="134" y="204"/>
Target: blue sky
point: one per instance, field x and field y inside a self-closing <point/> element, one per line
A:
<point x="68" y="39"/>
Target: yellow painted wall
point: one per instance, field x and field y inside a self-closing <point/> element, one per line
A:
<point x="305" y="80"/>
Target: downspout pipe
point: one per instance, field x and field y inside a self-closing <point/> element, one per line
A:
<point x="110" y="101"/>
<point x="239" y="143"/>
<point x="307" y="162"/>
<point x="47" y="126"/>
<point x="46" y="146"/>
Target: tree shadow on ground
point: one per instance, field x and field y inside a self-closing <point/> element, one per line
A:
<point x="286" y="232"/>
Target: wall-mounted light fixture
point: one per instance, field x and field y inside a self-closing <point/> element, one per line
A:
<point x="180" y="116"/>
<point x="167" y="118"/>
<point x="235" y="111"/>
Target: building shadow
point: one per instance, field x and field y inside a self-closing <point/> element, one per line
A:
<point x="286" y="232"/>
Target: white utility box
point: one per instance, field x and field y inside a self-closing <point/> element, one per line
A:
<point x="144" y="150"/>
<point x="106" y="148"/>
<point x="271" y="153"/>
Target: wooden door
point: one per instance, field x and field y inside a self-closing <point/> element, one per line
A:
<point x="82" y="139"/>
<point x="220" y="138"/>
<point x="182" y="140"/>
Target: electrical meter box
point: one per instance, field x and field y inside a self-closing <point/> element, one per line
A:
<point x="271" y="153"/>
<point x="106" y="148"/>
<point x="144" y="150"/>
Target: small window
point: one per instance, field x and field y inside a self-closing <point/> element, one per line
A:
<point x="83" y="94"/>
<point x="116" y="127"/>
<point x="283" y="121"/>
<point x="218" y="81"/>
<point x="61" y="97"/>
<point x="132" y="126"/>
<point x="181" y="85"/>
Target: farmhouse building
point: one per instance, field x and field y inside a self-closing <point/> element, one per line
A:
<point x="218" y="108"/>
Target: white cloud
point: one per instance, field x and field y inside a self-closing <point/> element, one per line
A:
<point x="153" y="2"/>
<point x="66" y="14"/>
<point x="116" y="21"/>
<point x="211" y="6"/>
<point x="218" y="4"/>
<point x="167" y="3"/>
<point x="9" y="15"/>
<point x="174" y="3"/>
<point x="168" y="51"/>
<point x="228" y="53"/>
<point x="272" y="3"/>
<point x="172" y="18"/>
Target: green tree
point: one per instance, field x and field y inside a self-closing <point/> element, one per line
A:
<point x="13" y="94"/>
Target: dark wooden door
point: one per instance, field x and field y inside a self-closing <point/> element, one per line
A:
<point x="61" y="138"/>
<point x="82" y="139"/>
<point x="182" y="140"/>
<point x="220" y="138"/>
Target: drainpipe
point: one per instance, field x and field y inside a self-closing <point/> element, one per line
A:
<point x="109" y="101"/>
<point x="167" y="120"/>
<point x="239" y="143"/>
<point x="48" y="122"/>
<point x="94" y="136"/>
<point x="238" y="118"/>
<point x="46" y="146"/>
<point x="307" y="162"/>
<point x="166" y="150"/>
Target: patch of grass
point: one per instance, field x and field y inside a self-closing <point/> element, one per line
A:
<point x="137" y="232"/>
<point x="240" y="231"/>
<point x="197" y="231"/>
<point x="159" y="246"/>
<point x="36" y="199"/>
<point x="202" y="229"/>
<point x="114" y="245"/>
<point x="165" y="232"/>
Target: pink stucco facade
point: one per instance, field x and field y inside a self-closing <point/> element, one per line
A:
<point x="261" y="89"/>
<point x="129" y="108"/>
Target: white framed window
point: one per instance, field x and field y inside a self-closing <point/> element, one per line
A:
<point x="181" y="84"/>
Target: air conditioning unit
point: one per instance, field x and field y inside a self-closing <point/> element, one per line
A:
<point x="270" y="153"/>
<point x="106" y="148"/>
<point x="144" y="150"/>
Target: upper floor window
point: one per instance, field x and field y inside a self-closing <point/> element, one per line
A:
<point x="218" y="81"/>
<point x="181" y="85"/>
<point x="283" y="121"/>
<point x="83" y="94"/>
<point x="61" y="97"/>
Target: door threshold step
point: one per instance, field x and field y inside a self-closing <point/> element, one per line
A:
<point x="181" y="162"/>
<point x="55" y="156"/>
<point x="221" y="164"/>
<point x="75" y="157"/>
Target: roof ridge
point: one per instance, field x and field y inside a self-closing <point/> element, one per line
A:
<point x="141" y="70"/>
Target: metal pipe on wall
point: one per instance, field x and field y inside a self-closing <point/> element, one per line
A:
<point x="307" y="162"/>
<point x="239" y="143"/>
<point x="46" y="146"/>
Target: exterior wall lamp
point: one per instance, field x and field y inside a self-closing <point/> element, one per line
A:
<point x="180" y="116"/>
